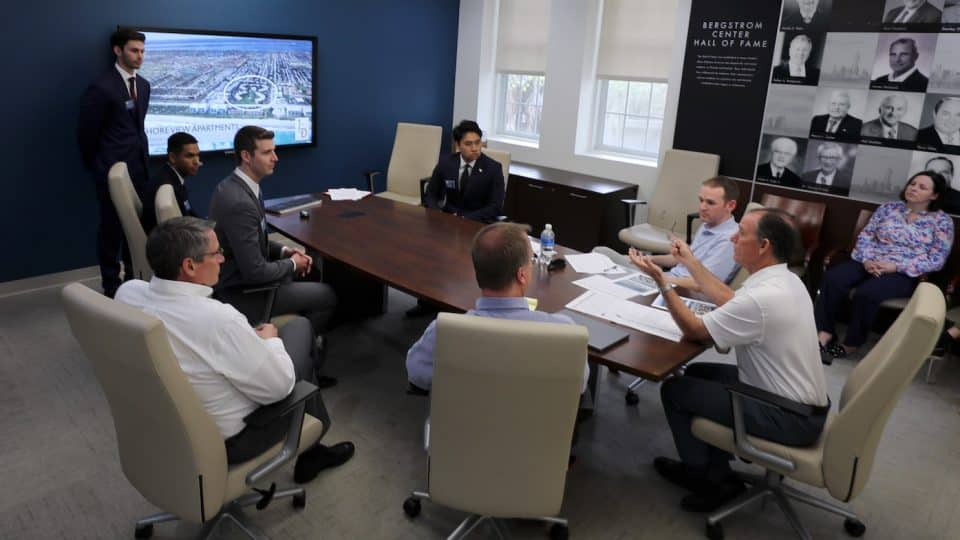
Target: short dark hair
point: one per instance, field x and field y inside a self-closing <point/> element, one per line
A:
<point x="247" y="137"/>
<point x="173" y="241"/>
<point x="940" y="158"/>
<point x="941" y="101"/>
<point x="777" y="226"/>
<point x="498" y="250"/>
<point x="178" y="140"/>
<point x="731" y="191"/>
<point x="939" y="187"/>
<point x="464" y="127"/>
<point x="121" y="36"/>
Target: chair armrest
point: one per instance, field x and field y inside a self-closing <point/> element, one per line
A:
<point x="828" y="258"/>
<point x="293" y="406"/>
<point x="739" y="392"/>
<point x="271" y="298"/>
<point x="631" y="207"/>
<point x="266" y="414"/>
<point x="370" y="174"/>
<point x="690" y="217"/>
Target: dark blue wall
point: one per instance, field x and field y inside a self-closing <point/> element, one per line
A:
<point x="380" y="62"/>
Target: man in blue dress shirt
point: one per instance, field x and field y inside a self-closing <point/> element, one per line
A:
<point x="503" y="262"/>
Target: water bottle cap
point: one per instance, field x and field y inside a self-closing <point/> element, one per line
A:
<point x="548" y="226"/>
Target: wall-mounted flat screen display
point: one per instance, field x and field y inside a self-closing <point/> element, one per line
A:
<point x="210" y="84"/>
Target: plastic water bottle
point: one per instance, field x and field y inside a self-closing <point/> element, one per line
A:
<point x="547" y="241"/>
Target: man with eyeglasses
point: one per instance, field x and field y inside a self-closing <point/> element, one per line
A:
<point x="233" y="367"/>
<point x="830" y="177"/>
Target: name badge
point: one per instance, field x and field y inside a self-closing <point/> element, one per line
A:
<point x="129" y="104"/>
<point x="186" y="204"/>
<point x="451" y="184"/>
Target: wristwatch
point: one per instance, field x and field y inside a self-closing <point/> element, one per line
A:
<point x="665" y="288"/>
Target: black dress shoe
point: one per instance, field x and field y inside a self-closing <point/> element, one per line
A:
<point x="679" y="473"/>
<point x="711" y="497"/>
<point x="326" y="382"/>
<point x="825" y="356"/>
<point x="321" y="457"/>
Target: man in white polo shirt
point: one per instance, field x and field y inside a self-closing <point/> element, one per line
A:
<point x="769" y="321"/>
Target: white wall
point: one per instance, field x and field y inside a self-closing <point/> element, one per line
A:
<point x="568" y="92"/>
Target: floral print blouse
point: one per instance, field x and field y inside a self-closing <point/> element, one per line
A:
<point x="916" y="248"/>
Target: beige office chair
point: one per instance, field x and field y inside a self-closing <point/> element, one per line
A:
<point x="170" y="448"/>
<point x="129" y="208"/>
<point x="503" y="158"/>
<point x="165" y="203"/>
<point x="674" y="200"/>
<point x="503" y="404"/>
<point x="416" y="149"/>
<point x="842" y="458"/>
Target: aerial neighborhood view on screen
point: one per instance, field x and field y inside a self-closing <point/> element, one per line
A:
<point x="211" y="85"/>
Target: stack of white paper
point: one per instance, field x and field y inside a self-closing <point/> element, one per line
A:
<point x="630" y="314"/>
<point x="594" y="263"/>
<point x="346" y="194"/>
<point x="605" y="285"/>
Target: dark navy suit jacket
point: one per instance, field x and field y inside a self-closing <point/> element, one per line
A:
<point x="481" y="200"/>
<point x="110" y="127"/>
<point x="166" y="175"/>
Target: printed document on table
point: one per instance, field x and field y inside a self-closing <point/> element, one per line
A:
<point x="605" y="285"/>
<point x="593" y="263"/>
<point x="630" y="314"/>
<point x="346" y="194"/>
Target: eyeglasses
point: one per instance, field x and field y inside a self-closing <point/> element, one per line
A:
<point x="219" y="251"/>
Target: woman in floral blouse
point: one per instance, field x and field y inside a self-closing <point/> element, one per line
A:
<point x="903" y="240"/>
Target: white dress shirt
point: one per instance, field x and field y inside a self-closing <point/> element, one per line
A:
<point x="903" y="77"/>
<point x="826" y="179"/>
<point x="232" y="369"/>
<point x="798" y="71"/>
<point x="126" y="77"/>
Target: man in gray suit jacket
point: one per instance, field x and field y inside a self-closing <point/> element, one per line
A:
<point x="251" y="258"/>
<point x="888" y="125"/>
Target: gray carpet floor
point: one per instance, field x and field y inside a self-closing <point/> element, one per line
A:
<point x="60" y="477"/>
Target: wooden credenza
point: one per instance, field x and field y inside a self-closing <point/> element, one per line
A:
<point x="585" y="210"/>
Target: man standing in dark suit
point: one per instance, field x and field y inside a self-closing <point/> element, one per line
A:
<point x="183" y="161"/>
<point x="467" y="183"/>
<point x="904" y="74"/>
<point x="109" y="130"/>
<point x="837" y="124"/>
<point x="912" y="12"/>
<point x="251" y="258"/>
<point x="830" y="177"/>
<point x="776" y="171"/>
<point x="945" y="130"/>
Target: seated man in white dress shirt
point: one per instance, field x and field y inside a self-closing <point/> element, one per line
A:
<point x="233" y="367"/>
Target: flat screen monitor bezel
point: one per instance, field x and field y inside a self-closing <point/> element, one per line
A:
<point x="313" y="73"/>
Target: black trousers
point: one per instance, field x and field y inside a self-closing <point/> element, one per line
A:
<point x="871" y="292"/>
<point x="111" y="243"/>
<point x="701" y="392"/>
<point x="297" y="337"/>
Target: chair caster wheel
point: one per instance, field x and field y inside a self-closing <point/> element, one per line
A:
<point x="632" y="398"/>
<point x="715" y="531"/>
<point x="559" y="532"/>
<point x="411" y="507"/>
<point x="145" y="531"/>
<point x="854" y="527"/>
<point x="300" y="501"/>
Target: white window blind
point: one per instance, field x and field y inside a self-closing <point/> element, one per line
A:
<point x="636" y="39"/>
<point x="522" y="31"/>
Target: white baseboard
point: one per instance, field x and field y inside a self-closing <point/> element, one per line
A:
<point x="21" y="286"/>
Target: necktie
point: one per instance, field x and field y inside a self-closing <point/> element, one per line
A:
<point x="891" y="133"/>
<point x="133" y="88"/>
<point x="464" y="178"/>
<point x="904" y="15"/>
<point x="832" y="126"/>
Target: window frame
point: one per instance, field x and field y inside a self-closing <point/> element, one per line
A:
<point x="501" y="105"/>
<point x="601" y="112"/>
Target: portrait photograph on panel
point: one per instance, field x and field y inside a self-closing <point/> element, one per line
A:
<point x="788" y="110"/>
<point x="799" y="57"/>
<point x="945" y="73"/>
<point x="940" y="124"/>
<point x="856" y="15"/>
<point x="891" y="118"/>
<point x="945" y="164"/>
<point x="838" y="114"/>
<point x="781" y="160"/>
<point x="879" y="174"/>
<point x="951" y="13"/>
<point x="806" y="15"/>
<point x="828" y="167"/>
<point x="848" y="59"/>
<point x="912" y="14"/>
<point x="903" y="61"/>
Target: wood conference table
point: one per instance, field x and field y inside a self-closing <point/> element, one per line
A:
<point x="424" y="252"/>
